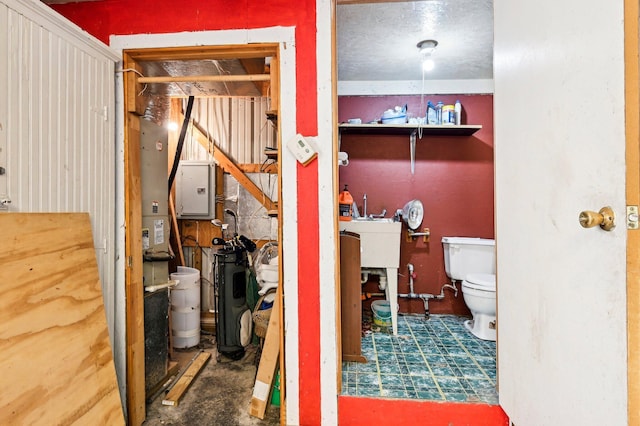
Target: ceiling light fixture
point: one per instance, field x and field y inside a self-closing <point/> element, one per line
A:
<point x="427" y="47"/>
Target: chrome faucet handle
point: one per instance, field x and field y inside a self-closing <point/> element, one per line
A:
<point x="379" y="216"/>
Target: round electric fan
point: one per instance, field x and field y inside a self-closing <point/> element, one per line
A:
<point x="412" y="214"/>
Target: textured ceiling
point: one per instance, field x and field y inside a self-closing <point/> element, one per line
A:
<point x="378" y="41"/>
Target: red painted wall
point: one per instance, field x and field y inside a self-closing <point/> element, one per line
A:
<point x="453" y="179"/>
<point x="356" y="411"/>
<point x="122" y="17"/>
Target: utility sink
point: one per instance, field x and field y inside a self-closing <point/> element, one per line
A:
<point x="379" y="241"/>
<point x="380" y="255"/>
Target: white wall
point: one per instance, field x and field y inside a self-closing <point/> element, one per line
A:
<point x="238" y="125"/>
<point x="57" y="127"/>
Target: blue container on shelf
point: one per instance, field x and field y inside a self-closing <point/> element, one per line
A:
<point x="397" y="115"/>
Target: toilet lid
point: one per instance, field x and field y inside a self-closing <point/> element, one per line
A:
<point x="481" y="281"/>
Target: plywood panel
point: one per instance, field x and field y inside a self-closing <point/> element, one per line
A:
<point x="57" y="365"/>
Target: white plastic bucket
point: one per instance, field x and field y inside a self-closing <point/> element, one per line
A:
<point x="381" y="313"/>
<point x="185" y="308"/>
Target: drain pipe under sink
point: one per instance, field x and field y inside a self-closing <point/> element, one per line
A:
<point x="380" y="272"/>
<point x="427" y="296"/>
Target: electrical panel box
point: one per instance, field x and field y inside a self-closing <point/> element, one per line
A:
<point x="196" y="190"/>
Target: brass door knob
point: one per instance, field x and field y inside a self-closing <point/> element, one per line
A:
<point x="605" y="218"/>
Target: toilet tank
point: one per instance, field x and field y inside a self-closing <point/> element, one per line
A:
<point x="465" y="255"/>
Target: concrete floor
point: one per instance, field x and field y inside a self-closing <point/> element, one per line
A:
<point x="219" y="395"/>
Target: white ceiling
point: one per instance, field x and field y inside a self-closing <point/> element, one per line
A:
<point x="378" y="41"/>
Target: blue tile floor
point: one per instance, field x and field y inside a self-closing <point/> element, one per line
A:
<point x="435" y="359"/>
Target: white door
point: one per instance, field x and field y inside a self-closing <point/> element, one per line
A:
<point x="559" y="149"/>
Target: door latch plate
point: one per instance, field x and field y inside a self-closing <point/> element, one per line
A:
<point x="632" y="217"/>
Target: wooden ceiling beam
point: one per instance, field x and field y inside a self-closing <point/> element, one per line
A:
<point x="234" y="51"/>
<point x="203" y="78"/>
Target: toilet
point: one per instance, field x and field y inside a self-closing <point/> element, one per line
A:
<point x="473" y="262"/>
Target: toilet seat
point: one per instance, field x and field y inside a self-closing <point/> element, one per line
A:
<point x="486" y="282"/>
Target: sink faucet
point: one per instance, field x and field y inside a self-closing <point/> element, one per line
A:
<point x="364" y="205"/>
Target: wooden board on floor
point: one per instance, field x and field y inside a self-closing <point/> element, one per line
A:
<point x="268" y="363"/>
<point x="172" y="371"/>
<point x="57" y="365"/>
<point x="183" y="383"/>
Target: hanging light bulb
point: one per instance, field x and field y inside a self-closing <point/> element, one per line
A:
<point x="428" y="64"/>
<point x="427" y="47"/>
<point x="172" y="125"/>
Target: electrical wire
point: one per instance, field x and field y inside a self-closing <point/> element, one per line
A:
<point x="144" y="88"/>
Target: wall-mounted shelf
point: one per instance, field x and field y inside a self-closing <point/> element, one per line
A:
<point x="271" y="153"/>
<point x="412" y="130"/>
<point x="407" y="129"/>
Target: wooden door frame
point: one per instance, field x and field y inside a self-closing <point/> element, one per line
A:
<point x="133" y="110"/>
<point x="632" y="130"/>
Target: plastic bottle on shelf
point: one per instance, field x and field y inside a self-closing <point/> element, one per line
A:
<point x="458" y="111"/>
<point x="448" y="115"/>
<point x="431" y="114"/>
<point x="346" y="204"/>
<point x="439" y="106"/>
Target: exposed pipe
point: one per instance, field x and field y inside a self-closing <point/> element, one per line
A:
<point x="451" y="286"/>
<point x="427" y="296"/>
<point x="412" y="275"/>
<point x="425" y="299"/>
<point x="381" y="272"/>
<point x="152" y="288"/>
<point x="382" y="284"/>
